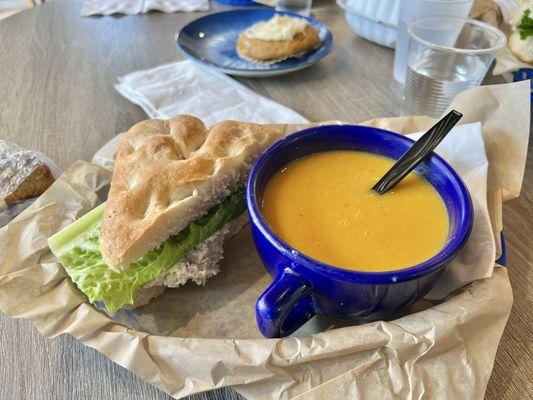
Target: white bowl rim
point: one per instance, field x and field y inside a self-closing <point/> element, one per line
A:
<point x="344" y="5"/>
<point x="388" y="27"/>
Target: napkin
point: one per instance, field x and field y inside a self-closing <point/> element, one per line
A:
<point x="464" y="150"/>
<point x="131" y="7"/>
<point x="186" y="88"/>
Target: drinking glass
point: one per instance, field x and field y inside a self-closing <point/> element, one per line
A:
<point x="302" y="7"/>
<point x="446" y="55"/>
<point x="412" y="9"/>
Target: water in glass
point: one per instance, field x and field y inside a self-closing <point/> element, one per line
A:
<point x="434" y="79"/>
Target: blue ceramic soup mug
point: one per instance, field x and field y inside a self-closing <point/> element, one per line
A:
<point x="302" y="286"/>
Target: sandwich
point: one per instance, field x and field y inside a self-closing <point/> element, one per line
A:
<point x="176" y="195"/>
<point x="277" y="39"/>
<point x="521" y="38"/>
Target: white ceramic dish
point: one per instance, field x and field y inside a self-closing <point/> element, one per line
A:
<point x="375" y="20"/>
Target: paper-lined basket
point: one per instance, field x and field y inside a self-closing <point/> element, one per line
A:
<point x="180" y="344"/>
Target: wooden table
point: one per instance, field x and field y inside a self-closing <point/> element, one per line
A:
<point x="57" y="72"/>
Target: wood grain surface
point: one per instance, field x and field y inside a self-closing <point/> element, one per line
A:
<point x="57" y="72"/>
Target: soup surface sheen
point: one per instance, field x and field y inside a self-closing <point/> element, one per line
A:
<point x="323" y="206"/>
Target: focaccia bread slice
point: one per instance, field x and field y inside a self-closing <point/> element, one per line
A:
<point x="263" y="50"/>
<point x="169" y="173"/>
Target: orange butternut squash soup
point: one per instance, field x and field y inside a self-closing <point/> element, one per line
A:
<point x="323" y="206"/>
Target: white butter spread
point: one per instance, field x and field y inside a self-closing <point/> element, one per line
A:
<point x="276" y="29"/>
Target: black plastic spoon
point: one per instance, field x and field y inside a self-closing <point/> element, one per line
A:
<point x="417" y="152"/>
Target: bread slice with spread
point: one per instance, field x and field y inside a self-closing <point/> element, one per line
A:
<point x="277" y="39"/>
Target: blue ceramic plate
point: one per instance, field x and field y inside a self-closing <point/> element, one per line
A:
<point x="211" y="41"/>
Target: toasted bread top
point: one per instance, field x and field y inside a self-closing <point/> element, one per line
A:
<point x="169" y="173"/>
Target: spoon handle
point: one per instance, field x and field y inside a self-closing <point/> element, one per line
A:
<point x="417" y="152"/>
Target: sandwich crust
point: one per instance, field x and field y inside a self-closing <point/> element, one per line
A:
<point x="167" y="174"/>
<point x="263" y="50"/>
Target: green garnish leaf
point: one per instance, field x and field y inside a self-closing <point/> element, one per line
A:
<point x="78" y="249"/>
<point x="525" y="26"/>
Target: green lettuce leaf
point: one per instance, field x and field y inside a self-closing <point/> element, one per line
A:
<point x="525" y="26"/>
<point x="78" y="249"/>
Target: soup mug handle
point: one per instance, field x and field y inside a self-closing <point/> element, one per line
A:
<point x="284" y="306"/>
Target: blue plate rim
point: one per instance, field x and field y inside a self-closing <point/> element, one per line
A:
<point x="327" y="43"/>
